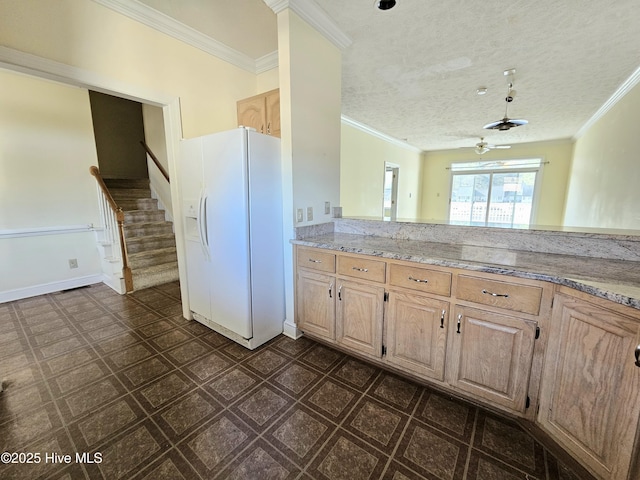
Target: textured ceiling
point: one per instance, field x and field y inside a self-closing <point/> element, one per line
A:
<point x="412" y="72"/>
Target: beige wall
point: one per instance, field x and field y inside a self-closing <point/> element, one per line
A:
<point x="110" y="50"/>
<point x="362" y="175"/>
<point x="155" y="138"/>
<point x="46" y="149"/>
<point x="605" y="179"/>
<point x="118" y="129"/>
<point x="436" y="179"/>
<point x="87" y="35"/>
<point x="310" y="75"/>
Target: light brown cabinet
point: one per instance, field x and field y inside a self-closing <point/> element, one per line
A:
<point x="315" y="304"/>
<point x="490" y="356"/>
<point x="359" y="317"/>
<point x="399" y="314"/>
<point x="339" y="309"/>
<point x="261" y="112"/>
<point x="590" y="397"/>
<point x="416" y="334"/>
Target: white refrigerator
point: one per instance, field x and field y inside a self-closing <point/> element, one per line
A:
<point x="232" y="201"/>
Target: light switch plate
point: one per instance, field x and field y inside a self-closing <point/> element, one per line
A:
<point x="309" y="214"/>
<point x="327" y="208"/>
<point x="299" y="215"/>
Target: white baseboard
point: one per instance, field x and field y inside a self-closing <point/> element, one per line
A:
<point x="115" y="283"/>
<point x="42" y="289"/>
<point x="291" y="331"/>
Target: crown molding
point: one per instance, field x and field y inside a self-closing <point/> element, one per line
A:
<point x="311" y="12"/>
<point x="36" y="66"/>
<point x="163" y="23"/>
<point x="267" y="62"/>
<point x="627" y="86"/>
<point x="382" y="136"/>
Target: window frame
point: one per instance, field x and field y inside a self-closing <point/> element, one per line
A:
<point x="491" y="171"/>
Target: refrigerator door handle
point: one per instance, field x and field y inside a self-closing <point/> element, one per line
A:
<point x="202" y="224"/>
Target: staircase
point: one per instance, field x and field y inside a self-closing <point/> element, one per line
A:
<point x="150" y="241"/>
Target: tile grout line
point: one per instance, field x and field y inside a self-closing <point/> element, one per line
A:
<point x="471" y="441"/>
<point x="401" y="437"/>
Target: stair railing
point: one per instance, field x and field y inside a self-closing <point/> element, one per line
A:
<point x="112" y="218"/>
<point x="155" y="160"/>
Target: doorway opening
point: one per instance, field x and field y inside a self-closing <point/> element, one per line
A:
<point x="390" y="192"/>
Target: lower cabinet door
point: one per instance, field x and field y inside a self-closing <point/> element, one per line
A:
<point x="359" y="311"/>
<point x="590" y="398"/>
<point x="315" y="304"/>
<point x="416" y="334"/>
<point x="491" y="356"/>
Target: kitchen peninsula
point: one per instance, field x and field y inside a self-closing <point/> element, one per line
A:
<point x="542" y="325"/>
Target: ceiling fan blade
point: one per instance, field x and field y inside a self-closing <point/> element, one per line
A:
<point x="500" y="147"/>
<point x="505" y="124"/>
<point x="495" y="125"/>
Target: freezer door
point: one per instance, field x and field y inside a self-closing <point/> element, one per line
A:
<point x="226" y="183"/>
<point x="198" y="266"/>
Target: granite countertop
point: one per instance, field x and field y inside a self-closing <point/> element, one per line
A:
<point x="615" y="280"/>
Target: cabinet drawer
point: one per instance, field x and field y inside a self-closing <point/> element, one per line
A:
<point x="362" y="267"/>
<point x="510" y="296"/>
<point x="315" y="259"/>
<point x="419" y="278"/>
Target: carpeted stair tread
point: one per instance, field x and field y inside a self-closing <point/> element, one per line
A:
<point x="148" y="258"/>
<point x="142" y="229"/>
<point x="150" y="242"/>
<point x="127" y="182"/>
<point x="126" y="193"/>
<point x="155" y="275"/>
<point x="136" y="204"/>
<point x="137" y="216"/>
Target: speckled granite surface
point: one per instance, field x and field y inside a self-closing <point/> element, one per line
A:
<point x="615" y="280"/>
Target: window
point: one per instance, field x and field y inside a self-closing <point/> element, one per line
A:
<point x="494" y="193"/>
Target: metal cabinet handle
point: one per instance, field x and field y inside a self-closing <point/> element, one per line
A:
<point x="340" y="293"/>
<point x="442" y="318"/>
<point x="418" y="280"/>
<point x="637" y="354"/>
<point x="269" y="128"/>
<point x="505" y="295"/>
<point x="330" y="290"/>
<point x="459" y="322"/>
<point x="315" y="261"/>
<point x="360" y="269"/>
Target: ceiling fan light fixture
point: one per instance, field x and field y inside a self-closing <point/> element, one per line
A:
<point x="385" y="4"/>
<point x="506" y="123"/>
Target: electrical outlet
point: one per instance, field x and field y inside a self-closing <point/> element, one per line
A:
<point x="309" y="214"/>
<point x="299" y="215"/>
<point x="327" y="208"/>
<point x="73" y="263"/>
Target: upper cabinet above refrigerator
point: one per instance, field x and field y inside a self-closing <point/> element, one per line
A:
<point x="261" y="112"/>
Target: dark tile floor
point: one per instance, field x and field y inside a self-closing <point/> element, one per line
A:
<point x="126" y="382"/>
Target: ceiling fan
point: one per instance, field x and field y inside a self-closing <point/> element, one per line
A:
<point x="483" y="147"/>
<point x="507" y="123"/>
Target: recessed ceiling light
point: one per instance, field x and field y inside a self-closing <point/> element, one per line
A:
<point x="481" y="91"/>
<point x="385" y="4"/>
